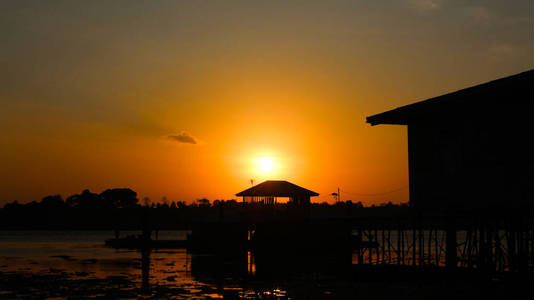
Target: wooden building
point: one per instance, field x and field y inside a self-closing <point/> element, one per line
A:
<point x="471" y="149"/>
<point x="268" y="191"/>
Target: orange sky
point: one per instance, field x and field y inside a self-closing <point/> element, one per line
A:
<point x="91" y="92"/>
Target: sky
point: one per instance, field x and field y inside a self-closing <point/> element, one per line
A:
<point x="192" y="99"/>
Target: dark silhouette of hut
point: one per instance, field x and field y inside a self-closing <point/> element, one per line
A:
<point x="470" y="150"/>
<point x="267" y="192"/>
<point x="286" y="237"/>
<point x="232" y="237"/>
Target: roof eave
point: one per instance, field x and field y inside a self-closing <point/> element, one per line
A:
<point x="387" y="117"/>
<point x="289" y="196"/>
<point x="402" y="115"/>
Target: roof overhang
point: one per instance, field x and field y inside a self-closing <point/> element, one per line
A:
<point x="277" y="188"/>
<point x="391" y="117"/>
<point x="493" y="96"/>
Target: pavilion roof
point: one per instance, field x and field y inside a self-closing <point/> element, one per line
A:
<point x="276" y="188"/>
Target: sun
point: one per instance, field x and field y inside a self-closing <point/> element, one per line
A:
<point x="265" y="165"/>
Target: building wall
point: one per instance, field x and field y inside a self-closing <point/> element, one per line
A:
<point x="470" y="163"/>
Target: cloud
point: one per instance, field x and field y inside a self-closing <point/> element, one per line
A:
<point x="183" y="138"/>
<point x="425" y="6"/>
<point x="503" y="52"/>
<point x="479" y="14"/>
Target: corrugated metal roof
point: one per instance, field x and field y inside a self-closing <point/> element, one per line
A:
<point x="277" y="188"/>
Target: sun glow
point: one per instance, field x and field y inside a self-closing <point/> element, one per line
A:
<point x="265" y="166"/>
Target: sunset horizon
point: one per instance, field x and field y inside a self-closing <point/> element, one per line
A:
<point x="281" y="149"/>
<point x="177" y="100"/>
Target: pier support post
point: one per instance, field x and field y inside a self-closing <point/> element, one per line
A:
<point x="451" y="259"/>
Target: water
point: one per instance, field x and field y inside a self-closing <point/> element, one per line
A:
<point x="76" y="251"/>
<point x="59" y="264"/>
<point x="80" y="260"/>
<point x="81" y="255"/>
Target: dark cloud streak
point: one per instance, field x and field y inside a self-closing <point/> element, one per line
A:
<point x="183" y="137"/>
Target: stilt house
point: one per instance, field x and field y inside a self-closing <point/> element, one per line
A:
<point x="472" y="149"/>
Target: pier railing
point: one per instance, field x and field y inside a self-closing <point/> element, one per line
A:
<point x="482" y="243"/>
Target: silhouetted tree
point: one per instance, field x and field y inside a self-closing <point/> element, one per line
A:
<point x="52" y="202"/>
<point x="119" y="207"/>
<point x="120" y="198"/>
<point x="146" y="201"/>
<point x="203" y="202"/>
<point x="86" y="200"/>
<point x="13" y="205"/>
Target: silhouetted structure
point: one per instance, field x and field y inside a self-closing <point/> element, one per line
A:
<point x="471" y="162"/>
<point x="470" y="149"/>
<point x="267" y="192"/>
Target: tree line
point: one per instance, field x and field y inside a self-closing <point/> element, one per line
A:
<point x="120" y="207"/>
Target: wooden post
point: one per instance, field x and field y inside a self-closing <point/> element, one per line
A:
<point x="490" y="261"/>
<point x="469" y="247"/>
<point x="421" y="242"/>
<point x="145" y="270"/>
<point x="399" y="240"/>
<point x="522" y="259"/>
<point x="360" y="239"/>
<point x="414" y="239"/>
<point x="450" y="245"/>
<point x="531" y="243"/>
<point x="498" y="250"/>
<point x="383" y="244"/>
<point x="377" y="245"/>
<point x="436" y="247"/>
<point x="429" y="246"/>
<point x="370" y="248"/>
<point x="510" y="239"/>
<point x="403" y="254"/>
<point x="389" y="244"/>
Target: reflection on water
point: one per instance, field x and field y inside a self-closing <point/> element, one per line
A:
<point x="82" y="256"/>
<point x="40" y="265"/>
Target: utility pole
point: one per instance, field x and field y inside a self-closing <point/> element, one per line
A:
<point x="337" y="195"/>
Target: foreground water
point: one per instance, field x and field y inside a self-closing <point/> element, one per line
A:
<point x="77" y="265"/>
<point x="59" y="263"/>
<point x="77" y="255"/>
